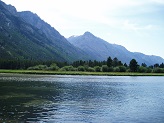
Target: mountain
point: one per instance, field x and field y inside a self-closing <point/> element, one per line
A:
<point x="101" y="50"/>
<point x="24" y="35"/>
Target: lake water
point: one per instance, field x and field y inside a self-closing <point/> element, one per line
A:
<point x="81" y="99"/>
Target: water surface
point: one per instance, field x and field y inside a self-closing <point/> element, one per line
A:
<point x="81" y="99"/>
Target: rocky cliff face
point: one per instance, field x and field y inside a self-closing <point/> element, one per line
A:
<point x="10" y="8"/>
<point x="37" y="22"/>
<point x="25" y="36"/>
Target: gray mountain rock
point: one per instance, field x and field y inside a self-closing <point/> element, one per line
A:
<point x="24" y="35"/>
<point x="101" y="50"/>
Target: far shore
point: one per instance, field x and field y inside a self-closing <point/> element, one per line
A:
<point x="43" y="72"/>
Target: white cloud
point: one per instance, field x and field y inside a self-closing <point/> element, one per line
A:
<point x="158" y="1"/>
<point x="136" y="27"/>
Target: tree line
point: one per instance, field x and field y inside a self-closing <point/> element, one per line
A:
<point x="25" y="64"/>
<point x="110" y="65"/>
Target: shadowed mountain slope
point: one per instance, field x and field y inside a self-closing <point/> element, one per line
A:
<point x="23" y="35"/>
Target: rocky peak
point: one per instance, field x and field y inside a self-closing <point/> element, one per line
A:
<point x="31" y="18"/>
<point x="10" y="8"/>
<point x="37" y="22"/>
<point x="88" y="34"/>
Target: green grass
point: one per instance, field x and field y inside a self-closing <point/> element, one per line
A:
<point x="43" y="72"/>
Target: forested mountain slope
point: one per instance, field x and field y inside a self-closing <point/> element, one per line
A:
<point x="23" y="35"/>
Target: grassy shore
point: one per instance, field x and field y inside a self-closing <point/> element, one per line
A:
<point x="42" y="72"/>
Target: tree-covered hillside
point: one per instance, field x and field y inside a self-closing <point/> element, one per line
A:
<point x="19" y="39"/>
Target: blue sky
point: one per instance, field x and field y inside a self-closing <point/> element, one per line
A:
<point x="137" y="25"/>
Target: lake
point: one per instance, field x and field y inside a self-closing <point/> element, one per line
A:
<point x="81" y="99"/>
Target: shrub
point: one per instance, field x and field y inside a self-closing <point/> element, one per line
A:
<point x="68" y="68"/>
<point x="149" y="70"/>
<point x="104" y="68"/>
<point x="142" y="69"/>
<point x="90" y="69"/>
<point x="97" y="68"/>
<point x="53" y="67"/>
<point x="122" y="68"/>
<point x="158" y="70"/>
<point x="81" y="68"/>
<point x="110" y="69"/>
<point x="116" y="69"/>
<point x="38" y="67"/>
<point x="86" y="67"/>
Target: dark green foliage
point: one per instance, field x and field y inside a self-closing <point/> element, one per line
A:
<point x="17" y="64"/>
<point x="24" y="64"/>
<point x="125" y="65"/>
<point x="109" y="62"/>
<point x="122" y="69"/>
<point x="53" y="66"/>
<point x="88" y="63"/>
<point x="24" y="36"/>
<point x="161" y="65"/>
<point x="89" y="66"/>
<point x="142" y="69"/>
<point x="156" y="65"/>
<point x="116" y="69"/>
<point x="110" y="69"/>
<point x="81" y="68"/>
<point x="90" y="69"/>
<point x="133" y="65"/>
<point x="151" y="67"/>
<point x="104" y="68"/>
<point x="68" y="68"/>
<point x="149" y="70"/>
<point x="97" y="68"/>
<point x="144" y="65"/>
<point x="115" y="62"/>
<point x="86" y="67"/>
<point x="38" y="67"/>
<point x="158" y="70"/>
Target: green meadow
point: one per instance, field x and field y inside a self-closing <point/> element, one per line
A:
<point x="44" y="72"/>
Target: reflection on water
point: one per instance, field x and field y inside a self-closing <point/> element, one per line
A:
<point x="81" y="99"/>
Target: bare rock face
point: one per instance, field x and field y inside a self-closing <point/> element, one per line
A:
<point x="37" y="22"/>
<point x="24" y="35"/>
<point x="10" y="8"/>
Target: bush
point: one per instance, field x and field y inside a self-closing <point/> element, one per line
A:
<point x="158" y="70"/>
<point x="53" y="67"/>
<point x="110" y="69"/>
<point x="122" y="68"/>
<point x="81" y="68"/>
<point x="149" y="70"/>
<point x="38" y="67"/>
<point x="97" y="68"/>
<point x="68" y="68"/>
<point x="90" y="69"/>
<point x="104" y="68"/>
<point x="116" y="69"/>
<point x="86" y="67"/>
<point x="142" y="69"/>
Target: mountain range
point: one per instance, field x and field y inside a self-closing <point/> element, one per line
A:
<point x="101" y="50"/>
<point x="24" y="35"/>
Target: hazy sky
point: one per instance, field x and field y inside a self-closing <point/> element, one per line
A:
<point x="136" y="24"/>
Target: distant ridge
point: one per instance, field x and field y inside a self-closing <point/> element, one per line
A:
<point x="24" y="35"/>
<point x="101" y="50"/>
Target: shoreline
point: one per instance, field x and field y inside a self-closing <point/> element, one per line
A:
<point x="43" y="72"/>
